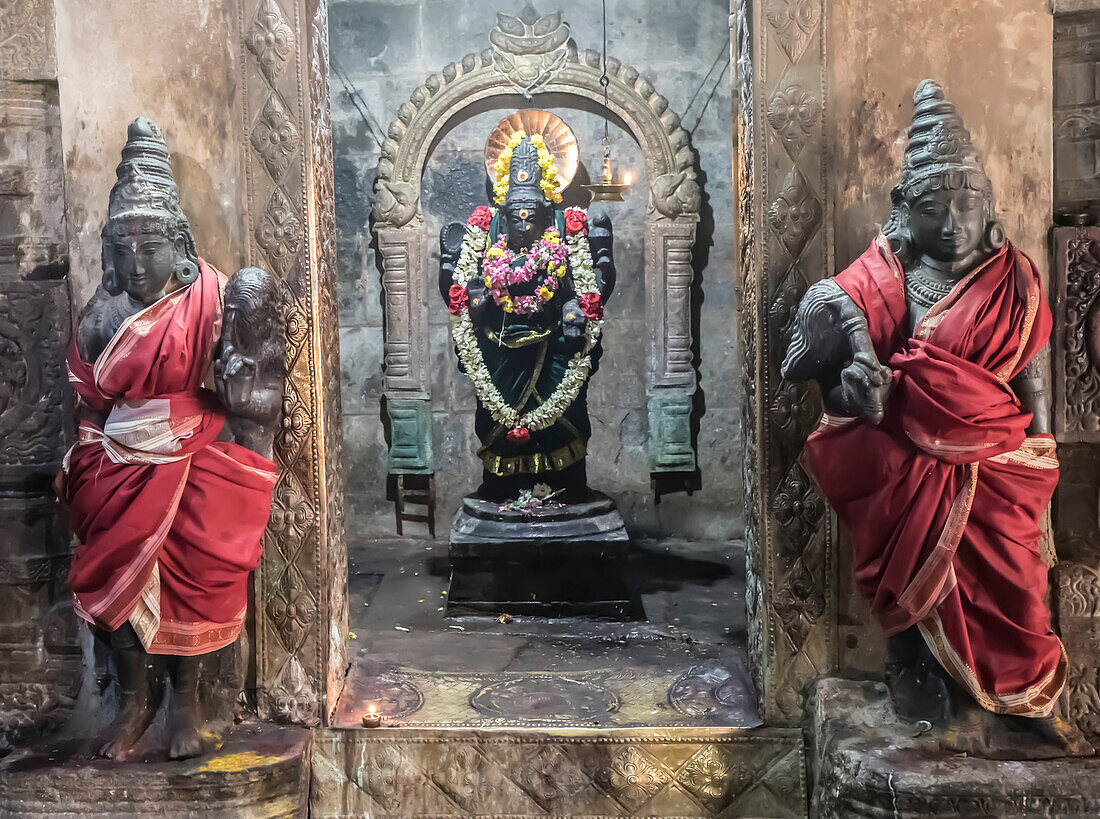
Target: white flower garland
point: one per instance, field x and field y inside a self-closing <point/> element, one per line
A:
<point x="576" y="374"/>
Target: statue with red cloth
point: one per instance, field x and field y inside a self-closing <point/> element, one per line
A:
<point x="928" y="351"/>
<point x="169" y="483"/>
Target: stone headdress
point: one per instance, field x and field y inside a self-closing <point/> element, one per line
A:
<point x="524" y="172"/>
<point x="939" y="155"/>
<point x="145" y="189"/>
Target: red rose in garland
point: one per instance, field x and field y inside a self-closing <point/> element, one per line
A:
<point x="591" y="305"/>
<point x="458" y="299"/>
<point x="482" y="217"/>
<point x="576" y="221"/>
<point x="519" y="435"/>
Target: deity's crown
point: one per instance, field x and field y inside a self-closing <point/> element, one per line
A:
<point x="940" y="152"/>
<point x="145" y="187"/>
<point x="524" y="173"/>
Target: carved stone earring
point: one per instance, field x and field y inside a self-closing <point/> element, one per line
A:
<point x="186" y="271"/>
<point x="994" y="237"/>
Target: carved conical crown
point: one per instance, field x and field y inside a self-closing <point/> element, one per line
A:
<point x="145" y="192"/>
<point x="524" y="172"/>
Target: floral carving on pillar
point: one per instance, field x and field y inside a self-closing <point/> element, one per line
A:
<point x="793" y="111"/>
<point x="795" y="22"/>
<point x="271" y="39"/>
<point x="275" y="137"/>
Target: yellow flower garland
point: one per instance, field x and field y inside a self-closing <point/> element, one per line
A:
<point x="549" y="181"/>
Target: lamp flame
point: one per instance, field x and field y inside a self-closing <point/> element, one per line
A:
<point x="627" y="178"/>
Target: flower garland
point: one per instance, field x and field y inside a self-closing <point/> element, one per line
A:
<point x="474" y="246"/>
<point x="549" y="180"/>
<point x="499" y="270"/>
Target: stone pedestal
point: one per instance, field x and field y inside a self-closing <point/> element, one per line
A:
<point x="260" y="771"/>
<point x="558" y="562"/>
<point x="866" y="763"/>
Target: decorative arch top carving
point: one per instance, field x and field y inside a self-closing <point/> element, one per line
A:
<point x="674" y="191"/>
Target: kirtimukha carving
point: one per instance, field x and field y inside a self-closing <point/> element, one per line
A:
<point x="527" y="285"/>
<point x="929" y="350"/>
<point x="169" y="484"/>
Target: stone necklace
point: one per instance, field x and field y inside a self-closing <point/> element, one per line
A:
<point x="924" y="289"/>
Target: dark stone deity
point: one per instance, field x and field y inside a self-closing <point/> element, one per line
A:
<point x="935" y="448"/>
<point x="169" y="484"/>
<point x="527" y="284"/>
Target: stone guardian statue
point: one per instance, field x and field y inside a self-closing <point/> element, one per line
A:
<point x="928" y="351"/>
<point x="169" y="484"/>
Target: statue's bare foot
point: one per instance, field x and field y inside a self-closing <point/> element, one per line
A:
<point x="123" y="734"/>
<point x="186" y="740"/>
<point x="1063" y="734"/>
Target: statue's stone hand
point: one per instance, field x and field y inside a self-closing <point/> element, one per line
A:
<point x="573" y="320"/>
<point x="864" y="387"/>
<point x="235" y="378"/>
<point x="479" y="300"/>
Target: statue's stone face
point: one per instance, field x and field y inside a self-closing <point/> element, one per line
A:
<point x="527" y="215"/>
<point x="144" y="263"/>
<point x="948" y="225"/>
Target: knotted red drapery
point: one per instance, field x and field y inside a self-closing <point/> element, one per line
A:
<point x="168" y="519"/>
<point x="943" y="498"/>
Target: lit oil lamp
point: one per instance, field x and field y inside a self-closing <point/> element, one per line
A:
<point x="372" y="719"/>
<point x="608" y="191"/>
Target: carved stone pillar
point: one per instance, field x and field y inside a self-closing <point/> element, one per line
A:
<point x="784" y="244"/>
<point x="301" y="586"/>
<point x="41" y="668"/>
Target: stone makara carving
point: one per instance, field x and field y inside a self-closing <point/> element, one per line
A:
<point x="930" y="354"/>
<point x="169" y="484"/>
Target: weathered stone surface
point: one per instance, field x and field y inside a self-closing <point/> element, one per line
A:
<point x="684" y="773"/>
<point x="260" y="771"/>
<point x="864" y="763"/>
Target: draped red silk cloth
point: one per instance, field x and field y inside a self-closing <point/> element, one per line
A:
<point x="168" y="519"/>
<point x="943" y="498"/>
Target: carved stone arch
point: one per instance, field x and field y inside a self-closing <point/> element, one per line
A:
<point x="672" y="214"/>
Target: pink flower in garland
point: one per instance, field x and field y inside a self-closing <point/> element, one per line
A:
<point x="482" y="217"/>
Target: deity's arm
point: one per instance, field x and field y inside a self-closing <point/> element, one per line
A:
<point x="831" y="344"/>
<point x="1032" y="387"/>
<point x="601" y="240"/>
<point x="249" y="363"/>
<point x="450" y="247"/>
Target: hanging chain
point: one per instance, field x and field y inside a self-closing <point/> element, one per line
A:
<point x="605" y="81"/>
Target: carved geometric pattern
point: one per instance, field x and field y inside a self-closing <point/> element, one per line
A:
<point x="633" y="778"/>
<point x="270" y="39"/>
<point x="795" y="213"/>
<point x="292" y="609"/>
<point x="1077" y="334"/>
<point x="274" y="137"/>
<point x="26" y="39"/>
<point x="789" y="539"/>
<point x="293" y="696"/>
<point x="396" y="773"/>
<point x="793" y="111"/>
<point x="794" y="22"/>
<point x="550" y="776"/>
<point x="280" y="231"/>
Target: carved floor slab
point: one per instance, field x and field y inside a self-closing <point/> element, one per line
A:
<point x="261" y="771"/>
<point x="865" y="764"/>
<point x="669" y="773"/>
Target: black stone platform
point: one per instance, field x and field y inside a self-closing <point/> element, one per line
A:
<point x="866" y="764"/>
<point x="557" y="562"/>
<point x="259" y="770"/>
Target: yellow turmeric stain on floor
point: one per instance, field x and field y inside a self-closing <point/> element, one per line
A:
<point x="236" y="762"/>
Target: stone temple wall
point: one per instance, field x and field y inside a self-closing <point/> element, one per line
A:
<point x="380" y="52"/>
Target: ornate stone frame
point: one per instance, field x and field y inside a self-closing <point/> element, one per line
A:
<point x="300" y="629"/>
<point x="673" y="212"/>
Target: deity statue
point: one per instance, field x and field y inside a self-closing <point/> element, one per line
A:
<point x="527" y="284"/>
<point x="169" y="484"/>
<point x="928" y="351"/>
